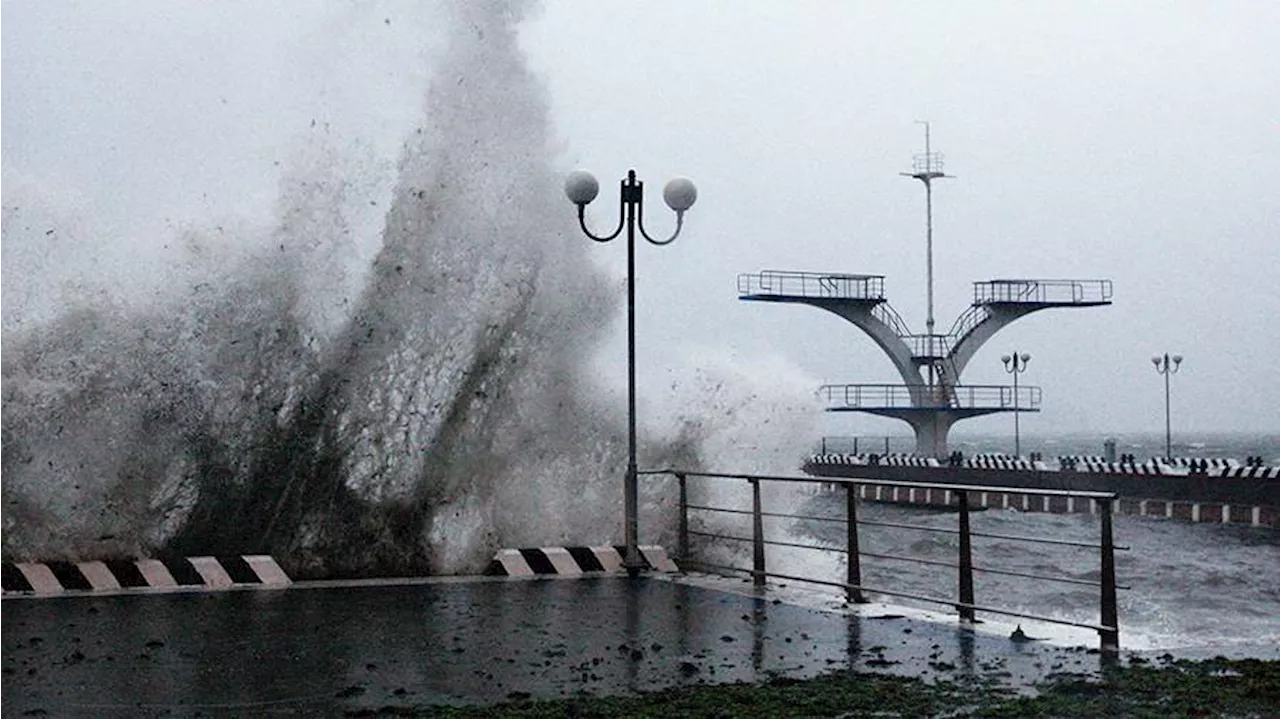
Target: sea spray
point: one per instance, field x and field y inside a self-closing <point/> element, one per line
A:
<point x="413" y="426"/>
<point x="354" y="404"/>
<point x="749" y="414"/>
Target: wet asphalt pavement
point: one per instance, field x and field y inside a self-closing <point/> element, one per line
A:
<point x="335" y="650"/>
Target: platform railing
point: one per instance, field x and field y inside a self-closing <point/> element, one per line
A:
<point x="975" y="315"/>
<point x="1107" y="627"/>
<point x="827" y="285"/>
<point x="890" y="317"/>
<point x="901" y="396"/>
<point x="933" y="346"/>
<point x="854" y="444"/>
<point x="1042" y="291"/>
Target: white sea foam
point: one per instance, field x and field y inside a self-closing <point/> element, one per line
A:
<point x="356" y="391"/>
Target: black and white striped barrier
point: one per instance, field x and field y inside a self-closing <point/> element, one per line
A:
<point x="997" y="462"/>
<point x="1150" y="468"/>
<point x="1257" y="472"/>
<point x="52" y="578"/>
<point x="573" y="561"/>
<point x="832" y="459"/>
<point x="887" y="460"/>
<point x="1210" y="462"/>
<point x="1079" y="459"/>
<point x="910" y="461"/>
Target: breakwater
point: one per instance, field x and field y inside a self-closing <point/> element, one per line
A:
<point x="1228" y="494"/>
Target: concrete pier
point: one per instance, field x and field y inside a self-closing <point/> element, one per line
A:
<point x="1229" y="497"/>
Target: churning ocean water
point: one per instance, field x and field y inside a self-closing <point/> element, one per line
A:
<point x="1206" y="587"/>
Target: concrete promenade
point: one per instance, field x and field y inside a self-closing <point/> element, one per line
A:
<point x="326" y="648"/>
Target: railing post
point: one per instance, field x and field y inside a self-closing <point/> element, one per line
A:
<point x="966" y="558"/>
<point x="757" y="534"/>
<point x="1110" y="617"/>
<point x="853" y="570"/>
<point x="682" y="541"/>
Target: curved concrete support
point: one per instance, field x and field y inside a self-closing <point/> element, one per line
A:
<point x="859" y="313"/>
<point x="997" y="319"/>
<point x="931" y="433"/>
<point x="931" y="427"/>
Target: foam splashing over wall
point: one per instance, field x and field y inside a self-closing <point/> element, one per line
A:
<point x="355" y="402"/>
<point x="407" y="418"/>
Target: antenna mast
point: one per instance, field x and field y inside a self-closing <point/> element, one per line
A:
<point x="927" y="168"/>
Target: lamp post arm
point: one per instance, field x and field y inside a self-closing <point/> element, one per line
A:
<point x="644" y="233"/>
<point x="582" y="222"/>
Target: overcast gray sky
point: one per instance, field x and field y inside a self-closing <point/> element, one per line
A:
<point x="1134" y="141"/>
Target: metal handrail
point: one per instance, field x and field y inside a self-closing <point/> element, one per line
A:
<point x="1107" y="628"/>
<point x="943" y="530"/>
<point x="898" y="525"/>
<point x="828" y="285"/>
<point x="891" y="319"/>
<point x="953" y="565"/>
<point x="1042" y="291"/>
<point x="928" y="345"/>
<point x="774" y="542"/>
<point x="880" y="444"/>
<point x="894" y="557"/>
<point x="904" y="396"/>
<point x="970" y="318"/>
<point x="855" y="482"/>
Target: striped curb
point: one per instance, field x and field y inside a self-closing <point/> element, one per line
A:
<point x="1215" y="467"/>
<point x="831" y="459"/>
<point x="1118" y="468"/>
<point x="573" y="561"/>
<point x="1212" y="462"/>
<point x="910" y="461"/>
<point x="55" y="578"/>
<point x="890" y="460"/>
<point x="997" y="462"/>
<point x="1081" y="459"/>
<point x="1256" y="472"/>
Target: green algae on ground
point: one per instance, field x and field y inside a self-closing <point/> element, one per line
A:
<point x="1216" y="687"/>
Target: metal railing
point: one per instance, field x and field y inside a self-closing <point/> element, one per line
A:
<point x="890" y="317"/>
<point x="826" y="285"/>
<point x="852" y="444"/>
<point x="1107" y="627"/>
<point x="970" y="318"/>
<point x="1042" y="291"/>
<point x="932" y="346"/>
<point x="902" y="396"/>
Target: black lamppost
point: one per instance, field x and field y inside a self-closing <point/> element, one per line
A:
<point x="1016" y="364"/>
<point x="1165" y="368"/>
<point x="680" y="194"/>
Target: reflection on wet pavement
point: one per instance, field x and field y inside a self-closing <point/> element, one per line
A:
<point x="309" y="650"/>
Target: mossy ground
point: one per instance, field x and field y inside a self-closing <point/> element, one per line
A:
<point x="1216" y="687"/>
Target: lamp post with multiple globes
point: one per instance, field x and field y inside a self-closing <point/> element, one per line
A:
<point x="1164" y="367"/>
<point x="680" y="194"/>
<point x="1016" y="364"/>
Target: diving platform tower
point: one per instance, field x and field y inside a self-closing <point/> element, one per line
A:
<point x="931" y="398"/>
